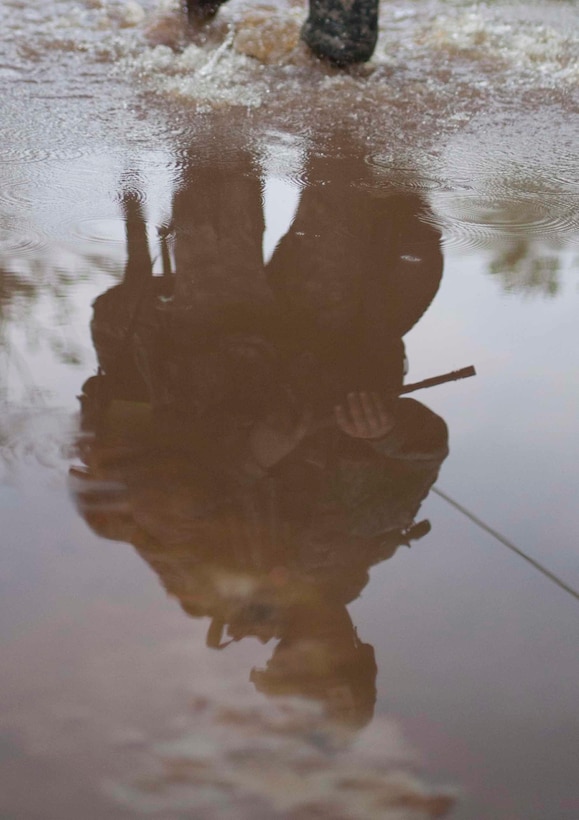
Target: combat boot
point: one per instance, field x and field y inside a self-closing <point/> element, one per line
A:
<point x="200" y="10"/>
<point x="342" y="31"/>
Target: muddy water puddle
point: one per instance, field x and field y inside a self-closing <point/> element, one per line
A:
<point x="244" y="573"/>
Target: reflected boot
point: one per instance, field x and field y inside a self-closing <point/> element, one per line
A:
<point x="200" y="10"/>
<point x="342" y="31"/>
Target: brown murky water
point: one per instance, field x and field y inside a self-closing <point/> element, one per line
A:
<point x="220" y="263"/>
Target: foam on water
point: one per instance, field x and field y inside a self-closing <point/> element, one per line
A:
<point x="483" y="49"/>
<point x="530" y="52"/>
<point x="251" y="50"/>
<point x="211" y="79"/>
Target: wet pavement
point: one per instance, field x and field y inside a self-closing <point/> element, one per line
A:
<point x="241" y="575"/>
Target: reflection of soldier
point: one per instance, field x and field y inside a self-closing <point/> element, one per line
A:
<point x="188" y="342"/>
<point x="354" y="274"/>
<point x="276" y="553"/>
<point x="258" y="463"/>
<point x="346" y="283"/>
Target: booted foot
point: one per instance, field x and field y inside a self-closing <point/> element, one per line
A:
<point x="342" y="31"/>
<point x="200" y="10"/>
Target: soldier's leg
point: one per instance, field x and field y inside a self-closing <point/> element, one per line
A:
<point x="342" y="31"/>
<point x="201" y="10"/>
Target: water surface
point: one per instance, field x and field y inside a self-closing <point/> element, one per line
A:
<point x="186" y="633"/>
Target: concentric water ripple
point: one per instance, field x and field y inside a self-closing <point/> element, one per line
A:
<point x="101" y="231"/>
<point x="26" y="144"/>
<point x="14" y="196"/>
<point x="403" y="178"/>
<point x="474" y="221"/>
<point x="131" y="183"/>
<point x="14" y="152"/>
<point x="20" y="240"/>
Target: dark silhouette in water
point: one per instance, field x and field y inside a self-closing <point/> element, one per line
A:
<point x="247" y="435"/>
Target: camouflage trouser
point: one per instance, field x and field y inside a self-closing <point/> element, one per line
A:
<point x="200" y="10"/>
<point x="342" y="31"/>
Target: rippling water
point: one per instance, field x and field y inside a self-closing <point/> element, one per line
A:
<point x="187" y="634"/>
